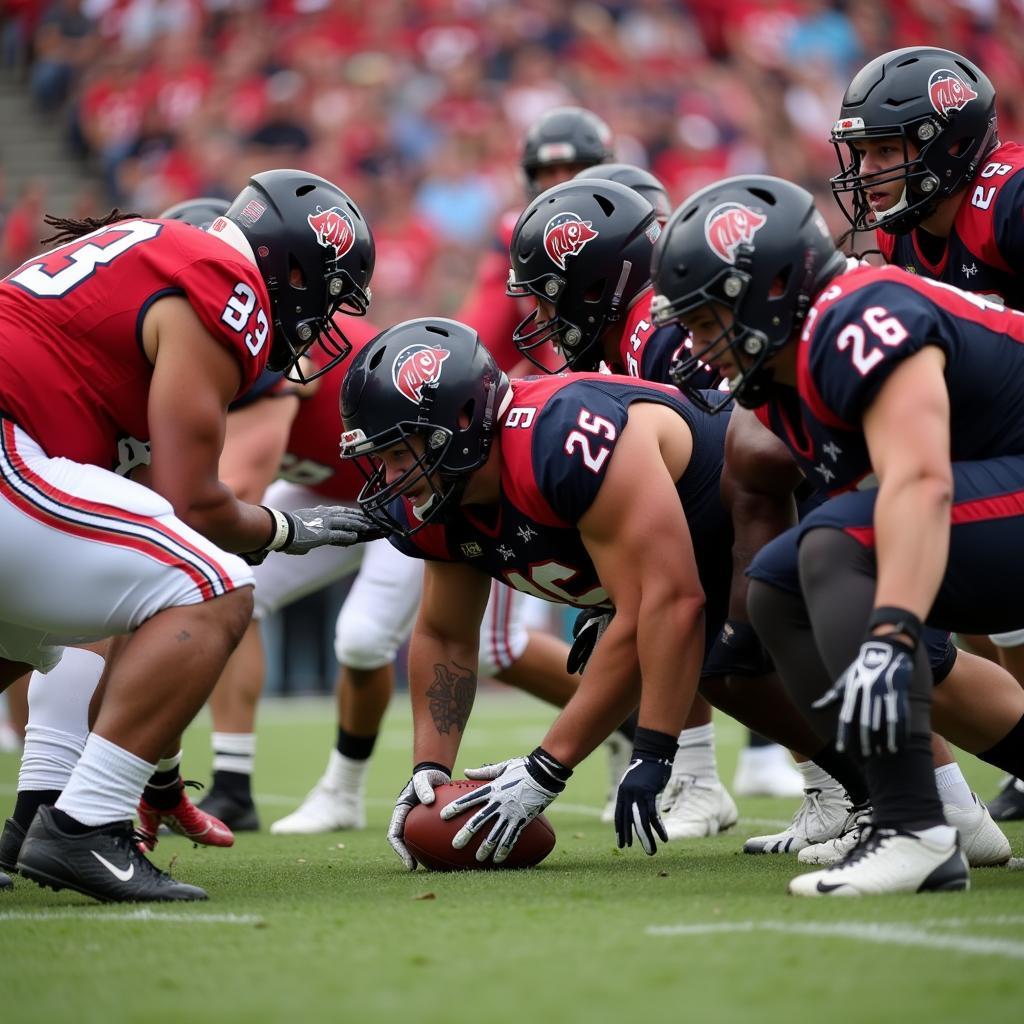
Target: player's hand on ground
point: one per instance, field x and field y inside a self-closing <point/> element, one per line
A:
<point x="588" y="628"/>
<point x="519" y="790"/>
<point x="874" y="691"/>
<point x="636" y="802"/>
<point x="426" y="777"/>
<point x="327" y="524"/>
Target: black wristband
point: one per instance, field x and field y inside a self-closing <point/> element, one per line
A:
<point x="902" y="621"/>
<point x="652" y="743"/>
<point x="548" y="771"/>
<point x="425" y="766"/>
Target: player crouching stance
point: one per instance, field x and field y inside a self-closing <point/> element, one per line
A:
<point x="886" y="374"/>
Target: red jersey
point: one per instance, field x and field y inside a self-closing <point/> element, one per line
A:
<point x="73" y="373"/>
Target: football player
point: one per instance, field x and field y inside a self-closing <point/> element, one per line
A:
<point x="554" y="485"/>
<point x="885" y="372"/>
<point x="921" y="163"/>
<point x="134" y="332"/>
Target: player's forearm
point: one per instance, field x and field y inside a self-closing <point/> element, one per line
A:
<point x="757" y="519"/>
<point x="442" y="687"/>
<point x="912" y="539"/>
<point x="231" y="524"/>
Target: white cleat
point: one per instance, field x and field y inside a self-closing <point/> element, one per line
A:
<point x="892" y="860"/>
<point x="618" y="749"/>
<point x="331" y="805"/>
<point x="981" y="839"/>
<point x="821" y="816"/>
<point x="767" y="771"/>
<point x="831" y="851"/>
<point x="692" y="807"/>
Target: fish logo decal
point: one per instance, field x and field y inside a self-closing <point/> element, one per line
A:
<point x="416" y="366"/>
<point x="728" y="226"/>
<point x="948" y="92"/>
<point x="565" y="235"/>
<point x="334" y="229"/>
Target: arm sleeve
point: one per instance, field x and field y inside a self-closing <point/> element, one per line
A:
<point x="1008" y="223"/>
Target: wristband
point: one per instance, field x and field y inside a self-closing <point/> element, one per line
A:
<point x="426" y="766"/>
<point x="283" y="532"/>
<point x="652" y="743"/>
<point x="900" y="619"/>
<point x="548" y="771"/>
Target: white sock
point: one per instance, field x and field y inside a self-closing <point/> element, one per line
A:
<point x="952" y="786"/>
<point x="58" y="720"/>
<point x="696" y="753"/>
<point x="348" y="773"/>
<point x="234" y="752"/>
<point x="815" y="777"/>
<point x="105" y="785"/>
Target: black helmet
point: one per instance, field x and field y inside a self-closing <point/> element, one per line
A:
<point x="565" y="135"/>
<point x="585" y="247"/>
<point x="200" y="213"/>
<point x="638" y="180"/>
<point x="934" y="99"/>
<point x="756" y="246"/>
<point x="315" y="253"/>
<point x="430" y="379"/>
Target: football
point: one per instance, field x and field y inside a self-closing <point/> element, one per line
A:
<point x="429" y="837"/>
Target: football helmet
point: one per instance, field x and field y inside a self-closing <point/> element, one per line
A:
<point x="315" y="252"/>
<point x="564" y="135"/>
<point x="431" y="386"/>
<point x="200" y="213"/>
<point x="638" y="180"/>
<point x="584" y="247"/>
<point x="934" y="100"/>
<point x="753" y="245"/>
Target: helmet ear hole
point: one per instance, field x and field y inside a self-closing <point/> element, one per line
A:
<point x="466" y="414"/>
<point x="296" y="275"/>
<point x="595" y="292"/>
<point x="781" y="282"/>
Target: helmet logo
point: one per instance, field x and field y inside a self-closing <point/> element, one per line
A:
<point x="565" y="235"/>
<point x="948" y="92"/>
<point x="416" y="366"/>
<point x="334" y="229"/>
<point x="728" y="226"/>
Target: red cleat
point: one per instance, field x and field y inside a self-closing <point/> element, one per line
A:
<point x="184" y="818"/>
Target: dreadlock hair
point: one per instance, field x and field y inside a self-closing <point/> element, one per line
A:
<point x="70" y="229"/>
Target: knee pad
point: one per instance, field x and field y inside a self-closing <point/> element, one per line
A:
<point x="366" y="642"/>
<point x="1015" y="638"/>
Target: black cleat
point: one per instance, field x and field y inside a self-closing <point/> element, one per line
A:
<point x="238" y="815"/>
<point x="5" y="882"/>
<point x="10" y="845"/>
<point x="1009" y="804"/>
<point x="104" y="863"/>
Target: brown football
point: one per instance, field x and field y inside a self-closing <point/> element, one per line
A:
<point x="429" y="837"/>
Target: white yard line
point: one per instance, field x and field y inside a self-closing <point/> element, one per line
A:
<point x="861" y="931"/>
<point x="142" y="914"/>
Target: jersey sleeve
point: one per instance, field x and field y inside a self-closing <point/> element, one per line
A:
<point x="1008" y="223"/>
<point x="572" y="445"/>
<point x="859" y="342"/>
<point x="230" y="299"/>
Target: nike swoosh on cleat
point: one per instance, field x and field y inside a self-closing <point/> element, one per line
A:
<point x="826" y="887"/>
<point x="123" y="874"/>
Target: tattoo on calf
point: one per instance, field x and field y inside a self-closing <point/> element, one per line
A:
<point x="451" y="696"/>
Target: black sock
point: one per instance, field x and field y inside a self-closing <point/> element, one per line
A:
<point x="757" y="740"/>
<point x="1008" y="753"/>
<point x="71" y="825"/>
<point x="236" y="785"/>
<point x="29" y="801"/>
<point x="902" y="787"/>
<point x="359" y="748"/>
<point x="164" y="794"/>
<point x="628" y="727"/>
<point x="844" y="770"/>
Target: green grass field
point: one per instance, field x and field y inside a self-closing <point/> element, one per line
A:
<point x="331" y="928"/>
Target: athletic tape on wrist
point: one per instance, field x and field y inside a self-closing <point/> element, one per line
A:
<point x="283" y="532"/>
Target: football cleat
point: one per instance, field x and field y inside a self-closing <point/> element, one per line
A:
<point x="766" y="771"/>
<point x="5" y="882"/>
<point x="1009" y="804"/>
<point x="104" y="863"/>
<point x="10" y="844"/>
<point x="619" y="750"/>
<point x="981" y="839"/>
<point x="184" y="818"/>
<point x="831" y="851"/>
<point x="331" y="805"/>
<point x="820" y="817"/>
<point x="692" y="807"/>
<point x="237" y="815"/>
<point x="888" y="860"/>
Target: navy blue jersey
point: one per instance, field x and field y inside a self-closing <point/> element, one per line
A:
<point x="556" y="438"/>
<point x="863" y="326"/>
<point x="984" y="252"/>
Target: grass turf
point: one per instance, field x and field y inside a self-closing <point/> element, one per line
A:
<point x="317" y="928"/>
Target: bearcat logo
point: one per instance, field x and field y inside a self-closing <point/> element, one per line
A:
<point x="416" y="366"/>
<point x="728" y="226"/>
<point x="334" y="229"/>
<point x="565" y="235"/>
<point x="948" y="92"/>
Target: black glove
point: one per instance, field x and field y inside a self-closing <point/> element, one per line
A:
<point x="636" y="803"/>
<point x="296" y="533"/>
<point x="875" y="688"/>
<point x="588" y="628"/>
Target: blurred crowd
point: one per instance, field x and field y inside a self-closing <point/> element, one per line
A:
<point x="417" y="107"/>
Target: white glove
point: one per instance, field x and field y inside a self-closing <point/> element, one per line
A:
<point x="527" y="786"/>
<point x="426" y="776"/>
